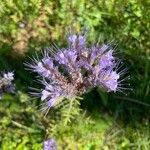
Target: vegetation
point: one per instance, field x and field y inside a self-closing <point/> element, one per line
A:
<point x="103" y="121"/>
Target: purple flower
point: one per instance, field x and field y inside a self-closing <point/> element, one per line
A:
<point x="110" y="80"/>
<point x="66" y="57"/>
<point x="47" y="62"/>
<point x="42" y="70"/>
<point x="72" y="39"/>
<point x="76" y="40"/>
<point x="73" y="70"/>
<point x="6" y="85"/>
<point x="50" y="94"/>
<point x="50" y="144"/>
<point x="106" y="60"/>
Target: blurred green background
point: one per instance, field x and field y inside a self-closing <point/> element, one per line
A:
<point x="107" y="121"/>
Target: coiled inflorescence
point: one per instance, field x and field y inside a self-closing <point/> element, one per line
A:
<point x="6" y="84"/>
<point x="73" y="70"/>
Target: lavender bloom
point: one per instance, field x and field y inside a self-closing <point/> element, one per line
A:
<point x="76" y="40"/>
<point x="6" y="84"/>
<point x="106" y="60"/>
<point x="73" y="70"/>
<point x="66" y="57"/>
<point x="109" y="80"/>
<point x="42" y="70"/>
<point x="50" y="94"/>
<point x="49" y="144"/>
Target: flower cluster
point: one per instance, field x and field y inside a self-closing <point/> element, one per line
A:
<point x="6" y="84"/>
<point x="73" y="70"/>
<point x="49" y="144"/>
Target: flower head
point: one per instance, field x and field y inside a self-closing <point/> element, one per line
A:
<point x="6" y="85"/>
<point x="76" y="40"/>
<point x="73" y="70"/>
<point x="49" y="144"/>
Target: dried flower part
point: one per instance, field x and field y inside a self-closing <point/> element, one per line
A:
<point x="49" y="144"/>
<point x="6" y="85"/>
<point x="73" y="70"/>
